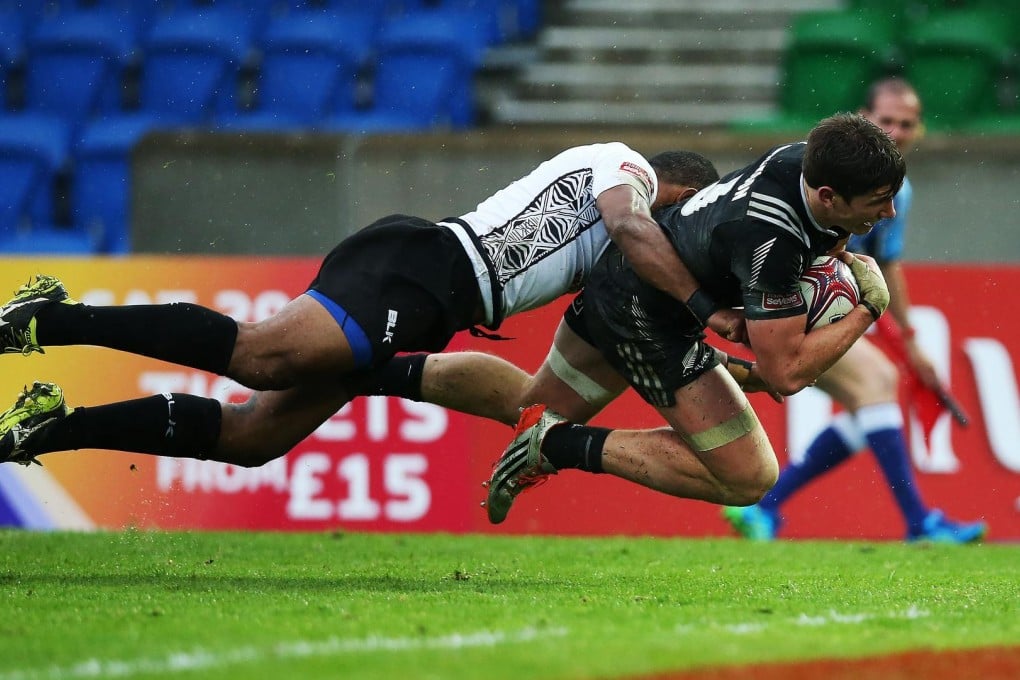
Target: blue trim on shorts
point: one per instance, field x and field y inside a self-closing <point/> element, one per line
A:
<point x="356" y="337"/>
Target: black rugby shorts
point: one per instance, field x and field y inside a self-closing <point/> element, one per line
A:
<point x="405" y="282"/>
<point x="651" y="339"/>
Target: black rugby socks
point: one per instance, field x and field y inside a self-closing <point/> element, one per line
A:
<point x="575" y="446"/>
<point x="181" y="333"/>
<point x="179" y="425"/>
<point x="401" y="376"/>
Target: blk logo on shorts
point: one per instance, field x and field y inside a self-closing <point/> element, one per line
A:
<point x="391" y="323"/>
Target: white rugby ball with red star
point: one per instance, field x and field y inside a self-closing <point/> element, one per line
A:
<point x="830" y="291"/>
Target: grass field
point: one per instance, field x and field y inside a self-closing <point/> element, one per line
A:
<point x="254" y="605"/>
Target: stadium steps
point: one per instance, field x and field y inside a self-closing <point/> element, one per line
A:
<point x="650" y="62"/>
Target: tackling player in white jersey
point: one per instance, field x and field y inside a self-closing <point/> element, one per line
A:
<point x="401" y="284"/>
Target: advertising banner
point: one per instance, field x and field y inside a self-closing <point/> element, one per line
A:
<point x="393" y="465"/>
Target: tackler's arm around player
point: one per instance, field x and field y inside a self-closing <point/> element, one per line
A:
<point x="630" y="225"/>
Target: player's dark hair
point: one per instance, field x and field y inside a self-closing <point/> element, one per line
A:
<point x="853" y="156"/>
<point x="686" y="168"/>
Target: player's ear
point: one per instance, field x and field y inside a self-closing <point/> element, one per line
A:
<point x="827" y="195"/>
<point x="686" y="193"/>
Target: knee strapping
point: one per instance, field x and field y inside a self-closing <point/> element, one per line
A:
<point x="585" y="387"/>
<point x="725" y="432"/>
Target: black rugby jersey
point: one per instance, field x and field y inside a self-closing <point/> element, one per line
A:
<point x="748" y="237"/>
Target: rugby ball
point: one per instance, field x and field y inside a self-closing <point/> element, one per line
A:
<point x="830" y="291"/>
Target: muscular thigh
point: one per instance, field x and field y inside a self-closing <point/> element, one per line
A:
<point x="303" y="334"/>
<point x="714" y="418"/>
<point x="863" y="376"/>
<point x="271" y="423"/>
<point x="710" y="400"/>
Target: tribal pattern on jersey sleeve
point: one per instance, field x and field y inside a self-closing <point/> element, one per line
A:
<point x="556" y="216"/>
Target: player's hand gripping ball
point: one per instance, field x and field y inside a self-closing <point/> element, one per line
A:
<point x="830" y="291"/>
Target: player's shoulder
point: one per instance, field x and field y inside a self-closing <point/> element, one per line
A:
<point x="603" y="156"/>
<point x="785" y="163"/>
<point x="599" y="150"/>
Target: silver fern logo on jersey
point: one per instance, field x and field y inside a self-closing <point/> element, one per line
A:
<point x="391" y="324"/>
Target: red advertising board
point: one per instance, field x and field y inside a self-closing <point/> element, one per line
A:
<point x="393" y="465"/>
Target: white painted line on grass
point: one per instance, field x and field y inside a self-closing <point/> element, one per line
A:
<point x="201" y="659"/>
<point x="832" y="618"/>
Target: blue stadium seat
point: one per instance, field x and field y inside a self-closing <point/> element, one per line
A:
<point x="309" y="68"/>
<point x="470" y="30"/>
<point x="381" y="8"/>
<point x="423" y="77"/>
<point x="529" y="17"/>
<point x="190" y="64"/>
<point x="12" y="49"/>
<point x="189" y="69"/>
<point x="20" y="174"/>
<point x="256" y="12"/>
<point x="33" y="150"/>
<point x="141" y="13"/>
<point x="75" y="64"/>
<point x="101" y="180"/>
<point x="511" y="19"/>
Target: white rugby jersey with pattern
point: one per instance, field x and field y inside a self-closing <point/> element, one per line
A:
<point x="748" y="237"/>
<point x="538" y="238"/>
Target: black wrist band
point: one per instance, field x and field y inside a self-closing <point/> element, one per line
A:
<point x="871" y="308"/>
<point x="702" y="305"/>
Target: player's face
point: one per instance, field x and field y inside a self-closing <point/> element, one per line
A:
<point x="859" y="214"/>
<point x="899" y="115"/>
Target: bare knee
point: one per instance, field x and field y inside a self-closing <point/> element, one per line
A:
<point x="754" y="483"/>
<point x="746" y="469"/>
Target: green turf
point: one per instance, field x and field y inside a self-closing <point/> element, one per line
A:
<point x="254" y="605"/>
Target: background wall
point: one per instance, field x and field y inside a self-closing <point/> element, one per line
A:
<point x="300" y="194"/>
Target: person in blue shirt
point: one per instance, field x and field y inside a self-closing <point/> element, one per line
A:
<point x="864" y="381"/>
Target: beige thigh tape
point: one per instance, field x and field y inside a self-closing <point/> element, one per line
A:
<point x="726" y="432"/>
